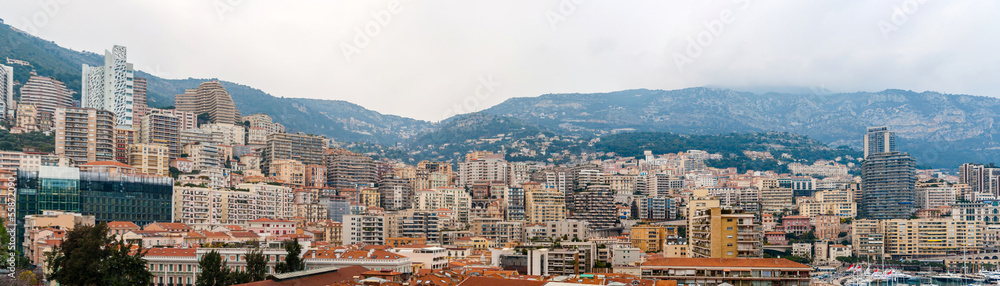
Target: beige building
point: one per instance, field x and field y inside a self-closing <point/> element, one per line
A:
<point x="648" y="238"/>
<point x="543" y="205"/>
<point x="291" y="172"/>
<point x="158" y="128"/>
<point x="27" y="117"/>
<point x="867" y="237"/>
<point x="150" y="158"/>
<point x="35" y="226"/>
<point x="675" y="250"/>
<point x="209" y="98"/>
<point x="85" y="134"/>
<point x="775" y="200"/>
<point x="718" y="233"/>
<point x="929" y="237"/>
<point x="188" y="120"/>
<point x="205" y="208"/>
<point x="46" y="94"/>
<point x="833" y="202"/>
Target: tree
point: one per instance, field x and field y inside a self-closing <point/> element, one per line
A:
<point x="292" y="261"/>
<point x="89" y="256"/>
<point x="214" y="271"/>
<point x="124" y="268"/>
<point x="256" y="264"/>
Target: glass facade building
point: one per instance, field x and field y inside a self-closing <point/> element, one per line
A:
<point x="141" y="199"/>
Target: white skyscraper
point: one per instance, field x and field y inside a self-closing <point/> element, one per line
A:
<point x="7" y="105"/>
<point x="109" y="87"/>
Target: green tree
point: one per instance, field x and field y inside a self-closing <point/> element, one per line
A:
<point x="125" y="268"/>
<point x="90" y="256"/>
<point x="256" y="264"/>
<point x="292" y="261"/>
<point x="214" y="271"/>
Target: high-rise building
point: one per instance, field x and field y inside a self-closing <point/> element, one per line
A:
<point x="596" y="206"/>
<point x="204" y="208"/>
<point x="158" y="128"/>
<point x="124" y="136"/>
<point x="203" y="156"/>
<point x="188" y="120"/>
<point x="888" y="182"/>
<point x="209" y="98"/>
<point x="345" y="169"/>
<point x="776" y="200"/>
<point x="139" y="105"/>
<point x="7" y="104"/>
<point x="304" y="148"/>
<point x="85" y="134"/>
<point x="718" y="233"/>
<point x="368" y="229"/>
<point x="110" y="87"/>
<point x="150" y="158"/>
<point x="543" y="205"/>
<point x="879" y="140"/>
<point x="931" y="237"/>
<point x="482" y="166"/>
<point x="981" y="179"/>
<point x="46" y="94"/>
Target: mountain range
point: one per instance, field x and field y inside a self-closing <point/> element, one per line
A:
<point x="940" y="130"/>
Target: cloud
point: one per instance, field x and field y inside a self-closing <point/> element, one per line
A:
<point x="421" y="58"/>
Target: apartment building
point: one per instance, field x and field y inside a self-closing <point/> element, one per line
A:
<point x="290" y="172"/>
<point x="209" y="98"/>
<point x="775" y="200"/>
<point x="45" y="94"/>
<point x="596" y="206"/>
<point x="368" y="229"/>
<point x="300" y="147"/>
<point x="345" y="169"/>
<point x="85" y="134"/>
<point x="719" y="233"/>
<point x="189" y="120"/>
<point x="158" y="128"/>
<point x="204" y="208"/>
<point x="542" y="205"/>
<point x="498" y="230"/>
<point x="648" y="238"/>
<point x="569" y="228"/>
<point x="150" y="158"/>
<point x="930" y="237"/>
<point x="482" y="166"/>
<point x="203" y="156"/>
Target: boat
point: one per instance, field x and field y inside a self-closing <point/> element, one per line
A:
<point x="950" y="277"/>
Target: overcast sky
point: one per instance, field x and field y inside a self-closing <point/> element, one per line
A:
<point x="428" y="59"/>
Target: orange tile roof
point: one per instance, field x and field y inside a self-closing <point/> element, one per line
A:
<point x="376" y="247"/>
<point x="122" y="224"/>
<point x="725" y="262"/>
<point x="487" y="281"/>
<point x="178" y="252"/>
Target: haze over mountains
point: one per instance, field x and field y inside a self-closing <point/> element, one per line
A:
<point x="927" y="123"/>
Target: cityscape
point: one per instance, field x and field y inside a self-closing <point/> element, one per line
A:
<point x="117" y="176"/>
